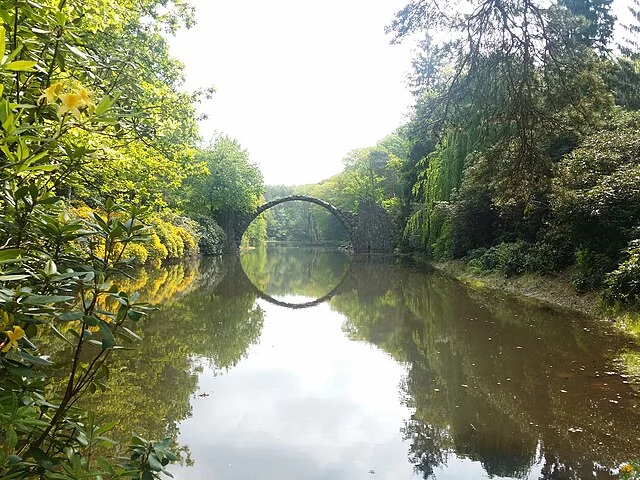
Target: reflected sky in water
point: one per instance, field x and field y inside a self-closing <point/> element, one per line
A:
<point x="399" y="374"/>
<point x="305" y="403"/>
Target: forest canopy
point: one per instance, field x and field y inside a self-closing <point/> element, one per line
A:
<point x="520" y="152"/>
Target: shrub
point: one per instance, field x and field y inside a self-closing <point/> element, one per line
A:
<point x="623" y="284"/>
<point x="168" y="237"/>
<point x="508" y="258"/>
<point x="552" y="253"/>
<point x="187" y="229"/>
<point x="178" y="236"/>
<point x="136" y="251"/>
<point x="212" y="237"/>
<point x="590" y="269"/>
<point x="596" y="189"/>
<point x="513" y="258"/>
<point x="189" y="242"/>
<point x="157" y="252"/>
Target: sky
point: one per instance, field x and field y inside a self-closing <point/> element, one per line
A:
<point x="298" y="83"/>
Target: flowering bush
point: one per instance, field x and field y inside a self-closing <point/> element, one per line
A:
<point x="58" y="263"/>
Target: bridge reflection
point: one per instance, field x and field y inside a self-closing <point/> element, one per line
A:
<point x="343" y="264"/>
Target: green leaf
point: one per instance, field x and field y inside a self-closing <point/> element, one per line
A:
<point x="11" y="437"/>
<point x="46" y="299"/>
<point x="104" y="105"/>
<point x="10" y="254"/>
<point x="90" y="320"/>
<point x="49" y="201"/>
<point x="70" y="316"/>
<point x="108" y="340"/>
<point x="41" y="168"/>
<point x="31" y="358"/>
<point x="20" y="65"/>
<point x="77" y="52"/>
<point x="61" y="18"/>
<point x="131" y="334"/>
<point x="155" y="464"/>
<point x="31" y="330"/>
<point x="11" y="278"/>
<point x="23" y="371"/>
<point x="135" y="316"/>
<point x="59" y="334"/>
<point x="15" y="53"/>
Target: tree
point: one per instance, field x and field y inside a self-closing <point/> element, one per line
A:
<point x="517" y="71"/>
<point x="232" y="186"/>
<point x="69" y="101"/>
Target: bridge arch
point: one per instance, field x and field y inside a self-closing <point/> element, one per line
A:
<point x="347" y="219"/>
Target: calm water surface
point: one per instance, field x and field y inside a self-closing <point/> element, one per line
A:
<point x="298" y="363"/>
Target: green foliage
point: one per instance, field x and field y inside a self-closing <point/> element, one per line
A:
<point x="508" y="258"/>
<point x="623" y="284"/>
<point x="232" y="185"/>
<point x="515" y="141"/>
<point x="256" y="234"/>
<point x="511" y="153"/>
<point x="624" y="81"/>
<point x="590" y="269"/>
<point x="82" y="115"/>
<point x="549" y="255"/>
<point x="596" y="191"/>
<point x="463" y="219"/>
<point x="212" y="237"/>
<point x="553" y="252"/>
<point x="373" y="174"/>
<point x="596" y="26"/>
<point x="62" y="292"/>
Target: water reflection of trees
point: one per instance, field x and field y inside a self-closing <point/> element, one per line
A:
<point x="493" y="380"/>
<point x="305" y="271"/>
<point x="203" y="315"/>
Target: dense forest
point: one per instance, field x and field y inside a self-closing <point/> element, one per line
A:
<point x="521" y="155"/>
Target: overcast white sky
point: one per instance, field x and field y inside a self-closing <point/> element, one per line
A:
<point x="298" y="83"/>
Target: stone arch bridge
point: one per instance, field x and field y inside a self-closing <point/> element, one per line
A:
<point x="370" y="230"/>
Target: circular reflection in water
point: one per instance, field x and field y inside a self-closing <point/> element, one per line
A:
<point x="295" y="277"/>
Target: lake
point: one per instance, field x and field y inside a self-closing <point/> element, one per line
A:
<point x="304" y="363"/>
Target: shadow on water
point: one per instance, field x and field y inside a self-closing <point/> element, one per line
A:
<point x="522" y="389"/>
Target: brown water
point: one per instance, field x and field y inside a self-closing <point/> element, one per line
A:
<point x="396" y="373"/>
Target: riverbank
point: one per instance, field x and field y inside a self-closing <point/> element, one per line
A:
<point x="556" y="290"/>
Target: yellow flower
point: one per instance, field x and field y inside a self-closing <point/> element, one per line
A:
<point x="72" y="103"/>
<point x="626" y="469"/>
<point x="14" y="336"/>
<point x="50" y="94"/>
<point x="85" y="95"/>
